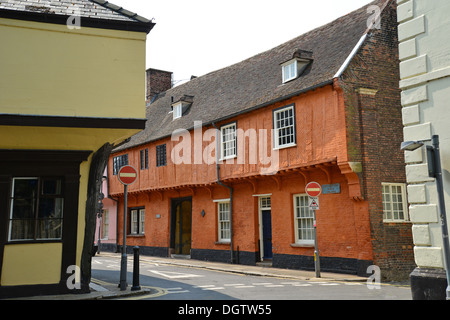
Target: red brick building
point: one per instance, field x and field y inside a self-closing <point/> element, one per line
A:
<point x="322" y="107"/>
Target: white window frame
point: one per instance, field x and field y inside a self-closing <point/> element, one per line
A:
<point x="289" y="70"/>
<point x="278" y="128"/>
<point x="105" y="225"/>
<point x="264" y="203"/>
<point x="137" y="221"/>
<point x="223" y="234"/>
<point x="225" y="144"/>
<point x="394" y="202"/>
<point x="307" y="220"/>
<point x="177" y="110"/>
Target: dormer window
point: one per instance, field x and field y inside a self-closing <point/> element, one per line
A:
<point x="177" y="110"/>
<point x="289" y="70"/>
<point x="181" y="107"/>
<point x="294" y="68"/>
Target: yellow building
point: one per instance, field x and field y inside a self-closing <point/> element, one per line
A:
<point x="72" y="86"/>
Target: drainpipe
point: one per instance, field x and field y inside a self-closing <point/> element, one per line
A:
<point x="229" y="188"/>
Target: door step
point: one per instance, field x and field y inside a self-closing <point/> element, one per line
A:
<point x="265" y="263"/>
<point x="180" y="256"/>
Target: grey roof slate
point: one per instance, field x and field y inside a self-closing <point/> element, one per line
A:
<point x="256" y="82"/>
<point x="98" y="9"/>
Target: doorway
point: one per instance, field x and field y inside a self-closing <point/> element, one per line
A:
<point x="181" y="226"/>
<point x="265" y="225"/>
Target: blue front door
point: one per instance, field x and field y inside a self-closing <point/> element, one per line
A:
<point x="267" y="234"/>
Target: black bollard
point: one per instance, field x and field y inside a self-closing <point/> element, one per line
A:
<point x="136" y="285"/>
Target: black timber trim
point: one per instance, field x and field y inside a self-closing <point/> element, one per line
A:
<point x="40" y="163"/>
<point x="136" y="26"/>
<point x="70" y="122"/>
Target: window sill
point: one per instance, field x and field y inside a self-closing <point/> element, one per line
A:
<point x="136" y="235"/>
<point x="285" y="146"/>
<point x="228" y="158"/>
<point x="222" y="242"/>
<point x="303" y="245"/>
<point x="394" y="222"/>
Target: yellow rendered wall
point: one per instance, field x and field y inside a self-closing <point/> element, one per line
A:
<point x="30" y="264"/>
<point x="48" y="69"/>
<point x="47" y="138"/>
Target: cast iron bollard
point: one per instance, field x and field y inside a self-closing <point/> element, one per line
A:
<point x="136" y="285"/>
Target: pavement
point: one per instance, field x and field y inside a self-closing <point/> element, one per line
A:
<point x="102" y="290"/>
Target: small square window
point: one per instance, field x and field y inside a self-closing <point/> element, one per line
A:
<point x="394" y="202"/>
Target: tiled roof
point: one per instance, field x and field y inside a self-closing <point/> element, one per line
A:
<point x="91" y="9"/>
<point x="256" y="82"/>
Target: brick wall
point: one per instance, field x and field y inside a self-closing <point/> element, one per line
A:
<point x="375" y="132"/>
<point x="157" y="81"/>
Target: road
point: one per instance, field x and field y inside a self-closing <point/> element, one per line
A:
<point x="184" y="283"/>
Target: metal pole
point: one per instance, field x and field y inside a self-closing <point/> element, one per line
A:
<point x="123" y="264"/>
<point x="136" y="285"/>
<point x="440" y="189"/>
<point x="316" y="250"/>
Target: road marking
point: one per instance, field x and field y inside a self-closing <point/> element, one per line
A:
<point x="176" y="290"/>
<point x="274" y="286"/>
<point x="302" y="285"/>
<point x="175" y="275"/>
<point x="262" y="284"/>
<point x="233" y="284"/>
<point x="205" y="286"/>
<point x="217" y="288"/>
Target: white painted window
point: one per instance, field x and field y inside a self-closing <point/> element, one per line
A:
<point x="177" y="110"/>
<point x="228" y="141"/>
<point x="290" y="70"/>
<point x="284" y="127"/>
<point x="223" y="210"/>
<point x="105" y="224"/>
<point x="303" y="220"/>
<point x="137" y="221"/>
<point x="394" y="202"/>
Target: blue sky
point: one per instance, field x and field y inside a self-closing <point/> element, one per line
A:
<point x="195" y="37"/>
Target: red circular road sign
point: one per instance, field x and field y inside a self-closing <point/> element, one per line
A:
<point x="313" y="189"/>
<point x="127" y="175"/>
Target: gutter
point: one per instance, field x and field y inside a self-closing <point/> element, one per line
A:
<point x="231" y="194"/>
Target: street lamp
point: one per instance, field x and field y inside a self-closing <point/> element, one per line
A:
<point x="435" y="171"/>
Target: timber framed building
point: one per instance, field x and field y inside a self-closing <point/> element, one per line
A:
<point x="224" y="159"/>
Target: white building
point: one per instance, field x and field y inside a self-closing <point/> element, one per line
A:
<point x="424" y="51"/>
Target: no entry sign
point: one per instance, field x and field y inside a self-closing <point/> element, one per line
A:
<point x="313" y="189"/>
<point x="127" y="175"/>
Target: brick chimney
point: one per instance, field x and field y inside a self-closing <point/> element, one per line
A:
<point x="157" y="81"/>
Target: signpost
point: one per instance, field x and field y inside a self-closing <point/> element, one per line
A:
<point x="127" y="175"/>
<point x="314" y="190"/>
